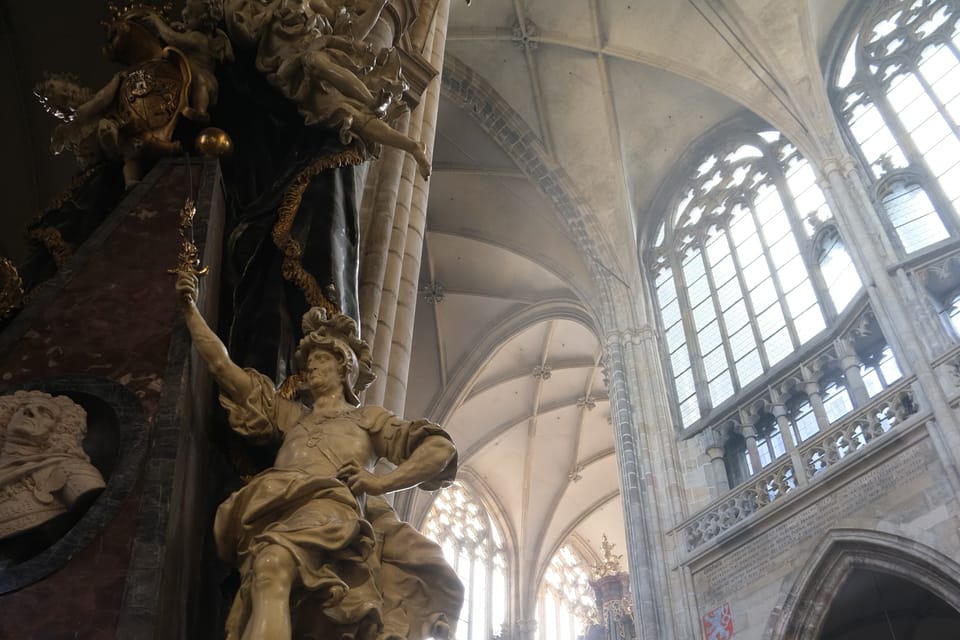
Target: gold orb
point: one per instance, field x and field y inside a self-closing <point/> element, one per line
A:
<point x="213" y="142"/>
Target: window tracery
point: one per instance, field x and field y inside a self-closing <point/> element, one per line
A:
<point x="475" y="548"/>
<point x="733" y="270"/>
<point x="898" y="92"/>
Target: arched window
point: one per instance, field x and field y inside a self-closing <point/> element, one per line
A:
<point x="898" y="92"/>
<point x="566" y="598"/>
<point x="732" y="268"/>
<point x="474" y="547"/>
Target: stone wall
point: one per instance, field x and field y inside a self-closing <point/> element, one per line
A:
<point x="898" y="489"/>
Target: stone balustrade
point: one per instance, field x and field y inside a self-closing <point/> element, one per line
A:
<point x="741" y="503"/>
<point x="859" y="430"/>
<point x="826" y="450"/>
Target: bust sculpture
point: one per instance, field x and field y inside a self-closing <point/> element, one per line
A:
<point x="320" y="553"/>
<point x="44" y="471"/>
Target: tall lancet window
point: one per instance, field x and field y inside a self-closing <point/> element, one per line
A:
<point x="567" y="601"/>
<point x="474" y="546"/>
<point x="732" y="270"/>
<point x="898" y="92"/>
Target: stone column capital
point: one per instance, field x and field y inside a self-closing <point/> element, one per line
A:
<point x="714" y="453"/>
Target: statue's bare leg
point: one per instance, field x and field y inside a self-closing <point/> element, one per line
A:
<point x="321" y="66"/>
<point x="274" y="570"/>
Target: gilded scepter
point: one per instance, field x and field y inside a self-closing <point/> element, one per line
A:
<point x="189" y="256"/>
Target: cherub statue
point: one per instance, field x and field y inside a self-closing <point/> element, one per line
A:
<point x="204" y="44"/>
<point x="321" y="554"/>
<point x="44" y="471"/>
<point x="133" y="116"/>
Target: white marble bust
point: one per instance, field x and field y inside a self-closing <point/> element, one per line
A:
<point x="44" y="470"/>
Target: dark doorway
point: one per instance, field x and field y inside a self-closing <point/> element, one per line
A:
<point x="877" y="606"/>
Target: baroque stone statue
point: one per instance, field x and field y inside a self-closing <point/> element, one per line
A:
<point x="44" y="471"/>
<point x="320" y="552"/>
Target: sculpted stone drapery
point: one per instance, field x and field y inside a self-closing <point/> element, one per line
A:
<point x="44" y="470"/>
<point x="320" y="553"/>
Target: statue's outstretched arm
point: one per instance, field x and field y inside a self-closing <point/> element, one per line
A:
<point x="234" y="382"/>
<point x="426" y="462"/>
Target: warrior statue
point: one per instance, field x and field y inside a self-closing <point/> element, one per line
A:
<point x="320" y="552"/>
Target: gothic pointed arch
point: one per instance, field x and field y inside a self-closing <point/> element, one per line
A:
<point x="801" y="612"/>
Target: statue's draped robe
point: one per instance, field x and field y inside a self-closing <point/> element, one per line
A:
<point x="397" y="582"/>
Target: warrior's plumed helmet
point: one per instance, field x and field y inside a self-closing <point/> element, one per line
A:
<point x="339" y="335"/>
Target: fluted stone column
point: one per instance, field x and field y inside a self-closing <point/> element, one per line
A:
<point x="661" y="605"/>
<point x="376" y="225"/>
<point x="395" y="236"/>
<point x="387" y="311"/>
<point x="401" y="345"/>
<point x="854" y="379"/>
